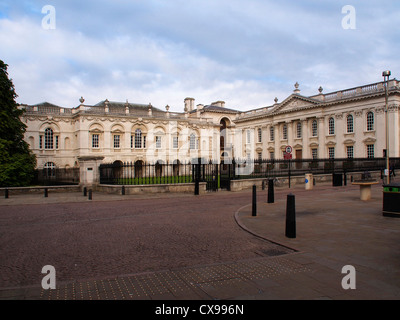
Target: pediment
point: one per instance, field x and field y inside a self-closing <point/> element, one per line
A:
<point x="295" y="102"/>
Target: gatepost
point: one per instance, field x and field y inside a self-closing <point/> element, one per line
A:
<point x="89" y="173"/>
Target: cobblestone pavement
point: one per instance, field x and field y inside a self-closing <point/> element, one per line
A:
<point x="186" y="247"/>
<point x="100" y="239"/>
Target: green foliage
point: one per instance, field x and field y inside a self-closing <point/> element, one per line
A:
<point x="17" y="162"/>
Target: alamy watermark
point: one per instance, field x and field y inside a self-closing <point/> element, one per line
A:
<point x="49" y="20"/>
<point x="349" y="281"/>
<point x="349" y="20"/>
<point x="49" y="280"/>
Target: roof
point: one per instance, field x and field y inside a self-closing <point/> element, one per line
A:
<point x="213" y="108"/>
<point x="134" y="108"/>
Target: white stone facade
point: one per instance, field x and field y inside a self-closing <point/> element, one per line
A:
<point x="346" y="123"/>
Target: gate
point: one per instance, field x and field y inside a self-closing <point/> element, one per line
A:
<point x="226" y="175"/>
<point x="207" y="172"/>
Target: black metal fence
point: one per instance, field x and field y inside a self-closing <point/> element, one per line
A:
<point x="146" y="173"/>
<point x="56" y="176"/>
<point x="269" y="168"/>
<point x="218" y="175"/>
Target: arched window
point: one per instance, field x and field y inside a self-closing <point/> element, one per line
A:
<point x="48" y="138"/>
<point x="284" y="132"/>
<point x="193" y="142"/>
<point x="298" y="130"/>
<point x="314" y="128"/>
<point x="271" y="133"/>
<point x="331" y="126"/>
<point x="370" y="121"/>
<point x="138" y="139"/>
<point x="49" y="169"/>
<point x="350" y="124"/>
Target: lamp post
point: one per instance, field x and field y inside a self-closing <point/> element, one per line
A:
<point x="386" y="75"/>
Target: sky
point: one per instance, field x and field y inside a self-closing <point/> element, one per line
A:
<point x="245" y="53"/>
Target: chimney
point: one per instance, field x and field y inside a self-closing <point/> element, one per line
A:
<point x="189" y="104"/>
<point x="219" y="104"/>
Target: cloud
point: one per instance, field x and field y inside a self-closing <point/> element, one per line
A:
<point x="244" y="53"/>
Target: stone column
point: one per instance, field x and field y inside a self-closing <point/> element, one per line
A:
<point x="322" y="153"/>
<point x="306" y="142"/>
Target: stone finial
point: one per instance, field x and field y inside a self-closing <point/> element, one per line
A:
<point x="276" y="100"/>
<point x="296" y="85"/>
<point x="320" y="89"/>
<point x="106" y="106"/>
<point x="81" y="100"/>
<point x="167" y="107"/>
<point x="126" y="106"/>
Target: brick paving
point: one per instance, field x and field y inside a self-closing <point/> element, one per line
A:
<point x="185" y="247"/>
<point x="100" y="239"/>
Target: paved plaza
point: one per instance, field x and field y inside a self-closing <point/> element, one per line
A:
<point x="206" y="247"/>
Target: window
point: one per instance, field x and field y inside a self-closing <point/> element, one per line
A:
<point x="314" y="128"/>
<point x="158" y="142"/>
<point x="331" y="152"/>
<point x="138" y="139"/>
<point x="298" y="130"/>
<point x="259" y="154"/>
<point x="272" y="133"/>
<point x="193" y="142"/>
<point x="259" y="135"/>
<point x="95" y="141"/>
<point x="284" y="132"/>
<point x="314" y="153"/>
<point x="48" y="139"/>
<point x="144" y="142"/>
<point x="331" y="126"/>
<point x="370" y="121"/>
<point x="40" y="142"/>
<point x="49" y="169"/>
<point x="248" y="136"/>
<point x="350" y="124"/>
<point x="175" y="142"/>
<point x="117" y="141"/>
<point x="370" y="151"/>
<point x="350" y="152"/>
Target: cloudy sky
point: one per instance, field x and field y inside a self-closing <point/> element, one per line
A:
<point x="162" y="51"/>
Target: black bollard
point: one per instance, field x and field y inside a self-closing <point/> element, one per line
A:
<point x="90" y="194"/>
<point x="290" y="217"/>
<point x="84" y="191"/>
<point x="46" y="193"/>
<point x="6" y="193"/>
<point x="196" y="187"/>
<point x="123" y="190"/>
<point x="263" y="185"/>
<point x="270" y="191"/>
<point x="254" y="207"/>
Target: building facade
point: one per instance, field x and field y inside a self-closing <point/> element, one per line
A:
<point x="349" y="123"/>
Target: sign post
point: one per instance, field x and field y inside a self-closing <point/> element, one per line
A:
<point x="287" y="156"/>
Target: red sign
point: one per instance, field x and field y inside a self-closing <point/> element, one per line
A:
<point x="287" y="156"/>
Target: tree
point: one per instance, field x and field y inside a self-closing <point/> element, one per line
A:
<point x="17" y="162"/>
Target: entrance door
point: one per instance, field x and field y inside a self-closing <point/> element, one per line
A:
<point x="299" y="156"/>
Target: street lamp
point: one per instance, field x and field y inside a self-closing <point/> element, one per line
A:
<point x="386" y="75"/>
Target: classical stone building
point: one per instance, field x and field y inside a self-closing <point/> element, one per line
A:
<point x="342" y="124"/>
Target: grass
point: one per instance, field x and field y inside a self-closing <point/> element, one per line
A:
<point x="159" y="180"/>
